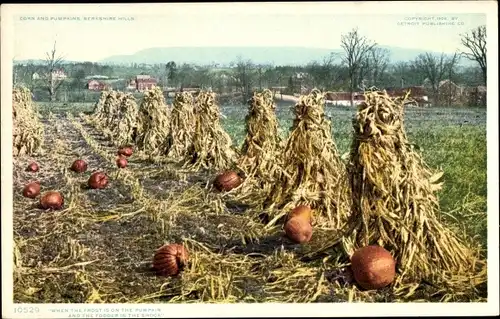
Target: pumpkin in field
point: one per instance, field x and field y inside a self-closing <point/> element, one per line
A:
<point x="52" y="200"/>
<point x="373" y="267"/>
<point x="79" y="166"/>
<point x="98" y="180"/>
<point x="31" y="190"/>
<point x="302" y="211"/>
<point x="121" y="162"/>
<point x="227" y="181"/>
<point x="126" y="151"/>
<point x="170" y="259"/>
<point x="33" y="167"/>
<point x="298" y="230"/>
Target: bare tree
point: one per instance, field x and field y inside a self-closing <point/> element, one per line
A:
<point x="324" y="74"/>
<point x="435" y="68"/>
<point x="379" y="60"/>
<point x="363" y="74"/>
<point x="332" y="70"/>
<point x="475" y="43"/>
<point x="23" y="75"/>
<point x="53" y="82"/>
<point x="372" y="67"/>
<point x="261" y="69"/>
<point x="315" y="74"/>
<point x="450" y="68"/>
<point x="400" y="69"/>
<point x="405" y="74"/>
<point x="203" y="77"/>
<point x="356" y="48"/>
<point x="269" y="76"/>
<point x="171" y="72"/>
<point x="244" y="76"/>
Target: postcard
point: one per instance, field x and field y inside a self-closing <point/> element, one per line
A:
<point x="249" y="159"/>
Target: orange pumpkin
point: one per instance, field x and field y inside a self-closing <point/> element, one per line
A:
<point x="79" y="166"/>
<point x="170" y="259"/>
<point x="31" y="190"/>
<point x="373" y="267"/>
<point x="52" y="200"/>
<point x="227" y="181"/>
<point x="301" y="211"/>
<point x="298" y="230"/>
<point x="98" y="180"/>
<point x="126" y="151"/>
<point x="33" y="167"/>
<point x="121" y="162"/>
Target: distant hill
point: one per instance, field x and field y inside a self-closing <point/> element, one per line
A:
<point x="43" y="61"/>
<point x="226" y="55"/>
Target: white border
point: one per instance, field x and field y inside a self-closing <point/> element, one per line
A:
<point x="246" y="310"/>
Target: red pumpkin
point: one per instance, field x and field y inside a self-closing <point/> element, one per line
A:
<point x="227" y="181"/>
<point x="298" y="230"/>
<point x="121" y="162"/>
<point x="170" y="259"/>
<point x="373" y="267"/>
<point x="52" y="200"/>
<point x="301" y="211"/>
<point x="98" y="180"/>
<point x="31" y="190"/>
<point x="79" y="166"/>
<point x="33" y="167"/>
<point x="126" y="151"/>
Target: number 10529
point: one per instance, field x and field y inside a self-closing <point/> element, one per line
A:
<point x="26" y="309"/>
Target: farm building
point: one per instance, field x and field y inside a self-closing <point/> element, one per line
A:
<point x="451" y="94"/>
<point x="189" y="87"/>
<point x="94" y="85"/>
<point x="132" y="85"/>
<point x="278" y="89"/>
<point x="417" y="93"/>
<point x="56" y="74"/>
<point x="170" y="91"/>
<point x="344" y="98"/>
<point x="476" y="96"/>
<point x="96" y="77"/>
<point x="142" y="83"/>
<point x="59" y="74"/>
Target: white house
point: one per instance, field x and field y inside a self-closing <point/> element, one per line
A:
<point x="59" y="74"/>
<point x="344" y="98"/>
<point x="96" y="77"/>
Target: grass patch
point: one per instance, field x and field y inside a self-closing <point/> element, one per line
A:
<point x="60" y="108"/>
<point x="460" y="151"/>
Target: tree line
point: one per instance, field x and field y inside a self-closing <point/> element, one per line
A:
<point x="363" y="64"/>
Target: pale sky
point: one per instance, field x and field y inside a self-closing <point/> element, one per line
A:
<point x="95" y="40"/>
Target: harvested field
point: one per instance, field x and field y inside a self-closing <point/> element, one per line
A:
<point x="99" y="247"/>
